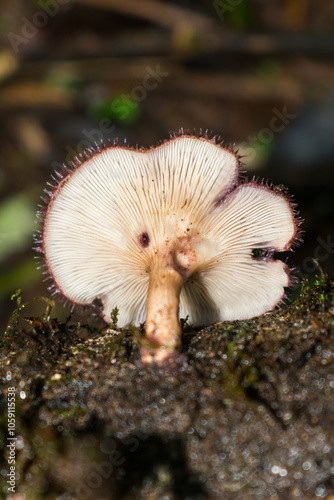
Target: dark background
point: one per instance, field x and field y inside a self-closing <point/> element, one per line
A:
<point x="234" y="67"/>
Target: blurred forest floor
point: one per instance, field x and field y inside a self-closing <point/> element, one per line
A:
<point x="258" y="73"/>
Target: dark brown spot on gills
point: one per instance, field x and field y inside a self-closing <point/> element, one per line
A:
<point x="144" y="240"/>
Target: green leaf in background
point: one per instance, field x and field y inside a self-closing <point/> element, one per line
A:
<point x="17" y="223"/>
<point x="122" y="108"/>
<point x="242" y="16"/>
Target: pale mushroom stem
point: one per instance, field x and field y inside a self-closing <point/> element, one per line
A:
<point x="163" y="330"/>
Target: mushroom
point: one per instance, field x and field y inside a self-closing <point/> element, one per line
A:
<point x="165" y="233"/>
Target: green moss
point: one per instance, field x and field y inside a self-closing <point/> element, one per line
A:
<point x="114" y="317"/>
<point x="15" y="316"/>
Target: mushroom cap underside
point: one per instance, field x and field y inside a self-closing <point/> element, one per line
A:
<point x="102" y="211"/>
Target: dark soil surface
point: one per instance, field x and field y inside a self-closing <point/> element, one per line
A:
<point x="247" y="413"/>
